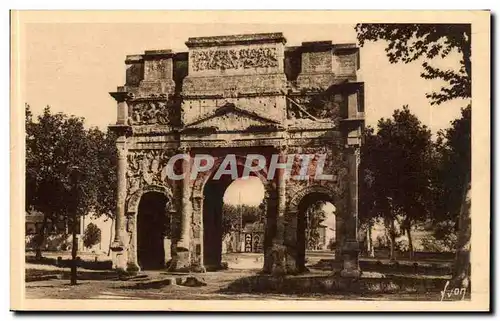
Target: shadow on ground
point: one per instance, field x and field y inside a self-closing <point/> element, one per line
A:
<point x="310" y="283"/>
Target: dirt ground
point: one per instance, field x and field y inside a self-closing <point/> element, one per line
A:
<point x="151" y="289"/>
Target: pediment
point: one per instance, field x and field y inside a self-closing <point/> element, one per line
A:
<point x="231" y="118"/>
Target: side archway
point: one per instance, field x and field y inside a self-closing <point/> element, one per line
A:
<point x="134" y="200"/>
<point x="330" y="195"/>
<point x="295" y="238"/>
<point x="135" y="208"/>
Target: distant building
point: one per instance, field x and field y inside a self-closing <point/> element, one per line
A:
<point x="58" y="235"/>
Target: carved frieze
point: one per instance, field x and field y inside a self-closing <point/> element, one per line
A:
<point x="224" y="59"/>
<point x="315" y="107"/>
<point x="158" y="69"/>
<point x="146" y="167"/>
<point x="151" y="112"/>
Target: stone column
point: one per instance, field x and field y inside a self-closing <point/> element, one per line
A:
<point x="350" y="250"/>
<point x="277" y="261"/>
<point x="197" y="234"/>
<point x="291" y="242"/>
<point x="131" y="230"/>
<point x="118" y="244"/>
<point x="183" y="246"/>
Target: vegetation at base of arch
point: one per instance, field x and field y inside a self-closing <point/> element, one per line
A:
<point x="69" y="169"/>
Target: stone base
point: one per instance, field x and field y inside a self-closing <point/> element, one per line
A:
<point x="133" y="268"/>
<point x="350" y="258"/>
<point x="183" y="259"/>
<point x="121" y="261"/>
<point x="349" y="273"/>
<point x="275" y="260"/>
<point x="117" y="246"/>
<point x="198" y="269"/>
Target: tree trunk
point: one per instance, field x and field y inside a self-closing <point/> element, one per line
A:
<point x="392" y="234"/>
<point x="461" y="271"/>
<point x="41" y="239"/>
<point x="369" y="243"/>
<point x="74" y="249"/>
<point x="410" y="242"/>
<point x="112" y="228"/>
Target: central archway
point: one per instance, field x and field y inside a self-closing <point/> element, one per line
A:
<point x="211" y="209"/>
<point x="212" y="224"/>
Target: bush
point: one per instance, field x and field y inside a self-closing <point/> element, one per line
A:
<point x="332" y="244"/>
<point x="431" y="244"/>
<point x="402" y="246"/>
<point x="91" y="236"/>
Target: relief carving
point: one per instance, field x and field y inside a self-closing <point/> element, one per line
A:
<point x="156" y="66"/>
<point x="146" y="168"/>
<point x="224" y="59"/>
<point x="317" y="107"/>
<point x="149" y="113"/>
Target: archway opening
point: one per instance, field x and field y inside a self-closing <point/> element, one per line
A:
<point x="231" y="208"/>
<point x="316" y="230"/>
<point x="152" y="227"/>
<point x="244" y="217"/>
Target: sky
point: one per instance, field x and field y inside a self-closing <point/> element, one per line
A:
<point x="73" y="66"/>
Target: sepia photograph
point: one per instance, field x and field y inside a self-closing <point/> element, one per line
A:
<point x="243" y="161"/>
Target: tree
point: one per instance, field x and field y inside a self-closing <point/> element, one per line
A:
<point x="92" y="235"/>
<point x="453" y="149"/>
<point x="454" y="166"/>
<point x="57" y="145"/>
<point x="372" y="203"/>
<point x="315" y="215"/>
<point x="409" y="42"/>
<point x="235" y="217"/>
<point x="397" y="167"/>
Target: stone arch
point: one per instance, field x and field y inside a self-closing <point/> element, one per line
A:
<point x="133" y="202"/>
<point x="197" y="198"/>
<point x="295" y="259"/>
<point x="293" y="205"/>
<point x="131" y="218"/>
<point x="199" y="183"/>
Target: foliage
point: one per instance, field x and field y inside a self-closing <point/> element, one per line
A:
<point x="402" y="246"/>
<point x="453" y="148"/>
<point x="433" y="244"/>
<point x="410" y="42"/>
<point x="396" y="166"/>
<point x="70" y="170"/>
<point x="56" y="144"/>
<point x="92" y="235"/>
<point x="332" y="244"/>
<point x="315" y="215"/>
<point x="235" y="217"/>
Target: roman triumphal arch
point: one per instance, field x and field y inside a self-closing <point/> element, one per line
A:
<point x="235" y="95"/>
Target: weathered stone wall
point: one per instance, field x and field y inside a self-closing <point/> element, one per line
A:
<point x="272" y="107"/>
<point x="325" y="64"/>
